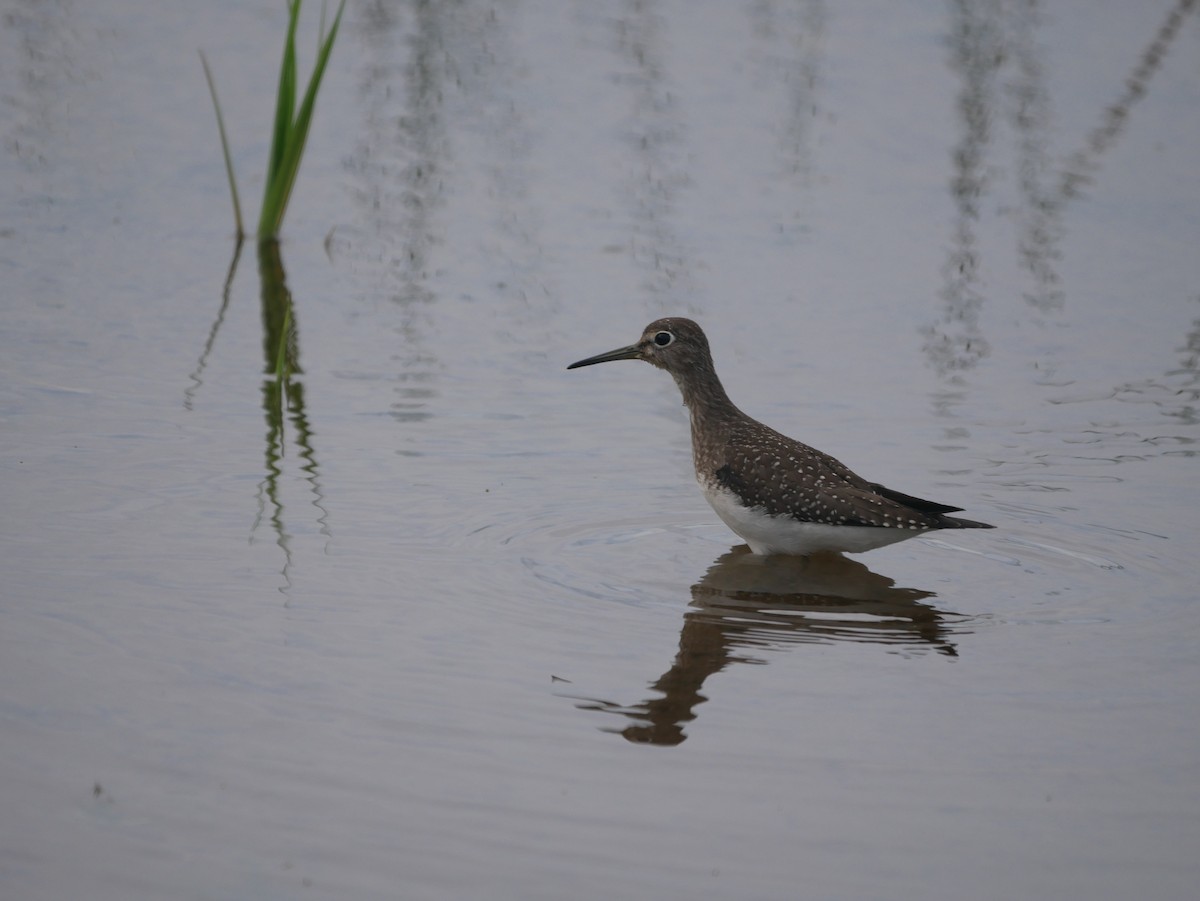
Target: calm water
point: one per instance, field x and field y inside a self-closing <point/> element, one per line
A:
<point x="437" y="619"/>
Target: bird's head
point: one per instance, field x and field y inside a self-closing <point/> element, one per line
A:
<point x="674" y="344"/>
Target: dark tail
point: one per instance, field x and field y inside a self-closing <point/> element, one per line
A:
<point x="931" y="507"/>
<point x="953" y="522"/>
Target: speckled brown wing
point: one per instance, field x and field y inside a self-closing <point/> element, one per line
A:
<point x="784" y="477"/>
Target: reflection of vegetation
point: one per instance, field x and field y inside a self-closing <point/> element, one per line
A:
<point x="190" y="393"/>
<point x="1083" y="163"/>
<point x="1176" y="393"/>
<point x="655" y="131"/>
<point x="957" y="342"/>
<point x="986" y="38"/>
<point x="282" y="396"/>
<point x="400" y="167"/>
<point x="290" y="130"/>
<point x="745" y="605"/>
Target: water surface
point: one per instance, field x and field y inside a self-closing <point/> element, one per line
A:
<point x="435" y="618"/>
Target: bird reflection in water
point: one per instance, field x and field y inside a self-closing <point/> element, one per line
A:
<point x="746" y="604"/>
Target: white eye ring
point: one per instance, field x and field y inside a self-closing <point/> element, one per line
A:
<point x="662" y="339"/>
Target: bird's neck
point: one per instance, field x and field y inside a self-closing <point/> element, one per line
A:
<point x="709" y="407"/>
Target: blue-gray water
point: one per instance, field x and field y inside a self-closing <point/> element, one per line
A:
<point x="438" y="619"/>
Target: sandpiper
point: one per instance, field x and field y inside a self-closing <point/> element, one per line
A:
<point x="781" y="496"/>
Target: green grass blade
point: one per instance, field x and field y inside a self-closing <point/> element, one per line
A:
<point x="281" y="137"/>
<point x="279" y="189"/>
<point x="285" y="104"/>
<point x="233" y="191"/>
<point x="299" y="133"/>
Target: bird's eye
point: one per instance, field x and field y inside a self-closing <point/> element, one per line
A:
<point x="662" y="339"/>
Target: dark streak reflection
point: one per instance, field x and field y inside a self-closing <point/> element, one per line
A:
<point x="746" y="606"/>
<point x="400" y="166"/>
<point x="1082" y="165"/>
<point x="655" y="136"/>
<point x="956" y="342"/>
<point x="46" y="33"/>
<point x="1186" y="407"/>
<point x="987" y="39"/>
<point x="1176" y="393"/>
<point x="792" y="36"/>
<point x="421" y="145"/>
<point x="1040" y="227"/>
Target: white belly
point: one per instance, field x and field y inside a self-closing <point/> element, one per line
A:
<point x="768" y="534"/>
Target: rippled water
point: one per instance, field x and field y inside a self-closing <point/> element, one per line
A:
<point x="436" y="618"/>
